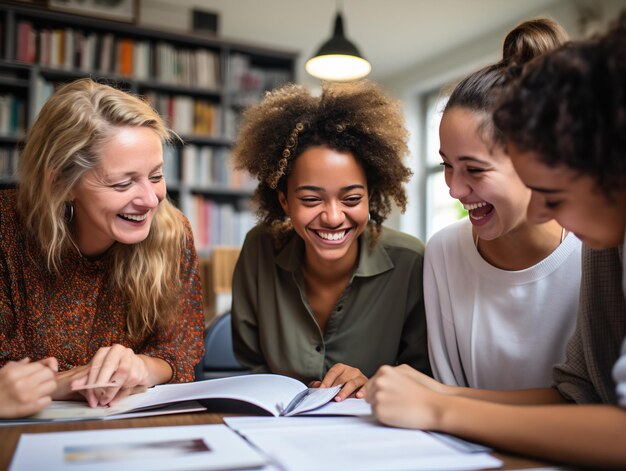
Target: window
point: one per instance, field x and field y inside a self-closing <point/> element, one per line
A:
<point x="438" y="208"/>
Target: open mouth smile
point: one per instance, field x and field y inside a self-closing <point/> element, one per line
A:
<point x="332" y="236"/>
<point x="479" y="210"/>
<point x="134" y="217"/>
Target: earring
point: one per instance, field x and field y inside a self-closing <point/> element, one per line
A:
<point x="69" y="211"/>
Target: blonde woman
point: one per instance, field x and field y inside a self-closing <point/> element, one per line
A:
<point x="98" y="267"/>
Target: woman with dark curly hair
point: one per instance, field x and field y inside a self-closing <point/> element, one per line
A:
<point x="322" y="291"/>
<point x="564" y="122"/>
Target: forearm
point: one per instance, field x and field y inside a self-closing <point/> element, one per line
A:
<point x="586" y="435"/>
<point x="536" y="396"/>
<point x="159" y="371"/>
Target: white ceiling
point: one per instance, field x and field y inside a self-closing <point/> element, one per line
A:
<point x="392" y="34"/>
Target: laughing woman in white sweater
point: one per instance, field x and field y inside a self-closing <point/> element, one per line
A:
<point x="501" y="293"/>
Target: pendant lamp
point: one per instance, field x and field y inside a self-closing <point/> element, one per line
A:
<point x="338" y="59"/>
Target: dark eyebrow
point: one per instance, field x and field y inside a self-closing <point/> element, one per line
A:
<point x="322" y="190"/>
<point x="356" y="186"/>
<point x="547" y="191"/>
<point x="310" y="188"/>
<point x="467" y="158"/>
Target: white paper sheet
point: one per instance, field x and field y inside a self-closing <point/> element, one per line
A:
<point x="352" y="443"/>
<point x="350" y="406"/>
<point x="194" y="447"/>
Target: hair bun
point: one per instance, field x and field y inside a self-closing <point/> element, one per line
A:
<point x="531" y="39"/>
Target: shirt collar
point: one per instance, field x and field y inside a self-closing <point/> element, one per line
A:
<point x="372" y="260"/>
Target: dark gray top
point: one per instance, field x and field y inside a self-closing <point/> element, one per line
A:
<point x="379" y="319"/>
<point x="585" y="377"/>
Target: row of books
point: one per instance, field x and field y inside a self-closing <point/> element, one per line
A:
<point x="206" y="166"/>
<point x="8" y="162"/>
<point x="75" y="49"/>
<point x="12" y="115"/>
<point x="248" y="82"/>
<point x="215" y="223"/>
<point x="187" y="115"/>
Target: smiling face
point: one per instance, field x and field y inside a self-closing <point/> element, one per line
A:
<point x="327" y="202"/>
<point x="116" y="201"/>
<point x="483" y="180"/>
<point x="573" y="200"/>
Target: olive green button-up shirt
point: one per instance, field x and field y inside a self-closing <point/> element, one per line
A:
<point x="378" y="320"/>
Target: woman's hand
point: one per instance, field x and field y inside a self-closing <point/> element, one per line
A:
<point x="118" y="370"/>
<point x="401" y="398"/>
<point x="351" y="378"/>
<point x="418" y="376"/>
<point x="26" y="387"/>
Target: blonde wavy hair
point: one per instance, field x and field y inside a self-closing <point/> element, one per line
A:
<point x="64" y="143"/>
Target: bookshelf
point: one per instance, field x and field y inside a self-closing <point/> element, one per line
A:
<point x="199" y="84"/>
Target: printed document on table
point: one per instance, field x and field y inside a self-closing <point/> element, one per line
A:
<point x="193" y="447"/>
<point x="352" y="443"/>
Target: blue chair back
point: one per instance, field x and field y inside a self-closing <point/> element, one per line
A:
<point x="219" y="358"/>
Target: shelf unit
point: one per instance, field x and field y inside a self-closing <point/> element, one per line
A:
<point x="199" y="84"/>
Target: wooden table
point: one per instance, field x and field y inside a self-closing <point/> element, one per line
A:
<point x="9" y="436"/>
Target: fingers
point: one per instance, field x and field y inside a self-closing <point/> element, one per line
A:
<point x="340" y="374"/>
<point x="118" y="366"/>
<point x="374" y="383"/>
<point x="110" y="370"/>
<point x="105" y="363"/>
<point x="122" y="378"/>
<point x="315" y="384"/>
<point x="350" y="387"/>
<point x="361" y="393"/>
<point x="102" y="367"/>
<point x="28" y="373"/>
<point x="333" y="373"/>
<point x="25" y="388"/>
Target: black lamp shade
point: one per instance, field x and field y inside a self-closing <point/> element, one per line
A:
<point x="338" y="43"/>
<point x="338" y="58"/>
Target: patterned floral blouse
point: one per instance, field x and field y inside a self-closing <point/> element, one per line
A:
<point x="72" y="315"/>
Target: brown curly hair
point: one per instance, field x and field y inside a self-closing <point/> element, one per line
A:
<point x="354" y="117"/>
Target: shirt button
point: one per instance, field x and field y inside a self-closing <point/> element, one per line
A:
<point x="318" y="348"/>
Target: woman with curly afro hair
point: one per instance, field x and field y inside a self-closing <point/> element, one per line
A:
<point x="322" y="291"/>
<point x="564" y="122"/>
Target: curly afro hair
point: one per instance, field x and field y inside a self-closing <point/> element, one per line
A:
<point x="569" y="107"/>
<point x="352" y="117"/>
